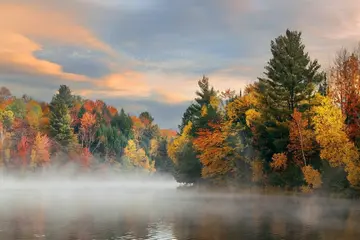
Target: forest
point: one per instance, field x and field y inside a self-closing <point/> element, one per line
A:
<point x="296" y="127"/>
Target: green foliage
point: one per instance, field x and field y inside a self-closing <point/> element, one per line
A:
<point x="163" y="163"/>
<point x="18" y="107"/>
<point x="291" y="77"/>
<point x="64" y="94"/>
<point x="254" y="138"/>
<point x="188" y="167"/>
<point x="123" y="123"/>
<point x="6" y="118"/>
<point x="193" y="112"/>
<point x="60" y="121"/>
<point x="146" y="118"/>
<point x="110" y="140"/>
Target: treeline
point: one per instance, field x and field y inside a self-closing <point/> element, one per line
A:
<point x="297" y="127"/>
<point x="88" y="134"/>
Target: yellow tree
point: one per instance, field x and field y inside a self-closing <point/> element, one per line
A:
<point x="6" y="121"/>
<point x="40" y="155"/>
<point x="333" y="140"/>
<point x="154" y="147"/>
<point x="312" y="177"/>
<point x="33" y="114"/>
<point x="179" y="142"/>
<point x="242" y="104"/>
<point x="137" y="157"/>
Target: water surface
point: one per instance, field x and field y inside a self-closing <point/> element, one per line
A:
<point x="157" y="210"/>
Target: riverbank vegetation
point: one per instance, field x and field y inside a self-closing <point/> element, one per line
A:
<point x="71" y="130"/>
<point x="297" y="127"/>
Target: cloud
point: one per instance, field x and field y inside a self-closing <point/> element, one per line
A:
<point x="24" y="27"/>
<point x="152" y="54"/>
<point x="17" y="55"/>
<point x="37" y="21"/>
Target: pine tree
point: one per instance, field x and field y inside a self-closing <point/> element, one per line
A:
<point x="65" y="94"/>
<point x="291" y="77"/>
<point x="194" y="112"/>
<point x="60" y="120"/>
<point x="123" y="122"/>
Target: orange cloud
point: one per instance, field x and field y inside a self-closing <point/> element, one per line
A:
<point x="35" y="21"/>
<point x="24" y="25"/>
<point x="16" y="51"/>
<point x="129" y="83"/>
<point x="172" y="97"/>
<point x="156" y="87"/>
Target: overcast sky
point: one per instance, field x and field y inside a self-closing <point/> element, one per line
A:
<point x="149" y="54"/>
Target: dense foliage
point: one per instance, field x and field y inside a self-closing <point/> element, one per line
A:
<point x="36" y="135"/>
<point x="295" y="127"/>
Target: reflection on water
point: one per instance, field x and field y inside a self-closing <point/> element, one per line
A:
<point x="114" y="212"/>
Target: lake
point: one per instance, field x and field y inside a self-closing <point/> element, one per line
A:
<point x="89" y="210"/>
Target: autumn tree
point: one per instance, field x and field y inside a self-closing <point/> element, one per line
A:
<point x="335" y="145"/>
<point x="312" y="178"/>
<point x="138" y="158"/>
<point x="88" y="129"/>
<point x="302" y="139"/>
<point x="345" y="89"/>
<point x="6" y="119"/>
<point x="187" y="167"/>
<point x="18" y="107"/>
<point x="23" y="148"/>
<point x="215" y="153"/>
<point x="33" y="114"/>
<point x="40" y="155"/>
<point x="279" y="161"/>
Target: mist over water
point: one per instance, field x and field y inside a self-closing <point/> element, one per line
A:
<point x="144" y="207"/>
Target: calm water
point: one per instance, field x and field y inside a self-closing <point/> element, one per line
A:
<point x="145" y="210"/>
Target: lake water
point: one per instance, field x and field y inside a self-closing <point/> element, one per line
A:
<point x="157" y="210"/>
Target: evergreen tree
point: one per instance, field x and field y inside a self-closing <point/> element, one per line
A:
<point x="123" y="122"/>
<point x="291" y="77"/>
<point x="60" y="120"/>
<point x="163" y="163"/>
<point x="291" y="80"/>
<point x="110" y="141"/>
<point x="188" y="169"/>
<point x="65" y="94"/>
<point x="193" y="112"/>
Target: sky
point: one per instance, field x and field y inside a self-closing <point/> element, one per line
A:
<point x="144" y="55"/>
